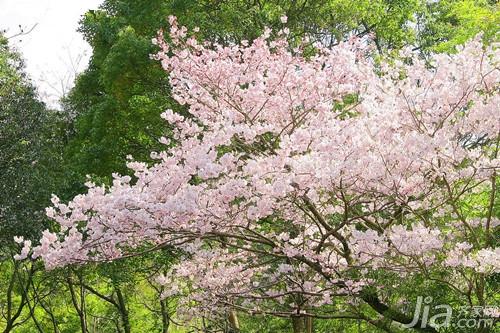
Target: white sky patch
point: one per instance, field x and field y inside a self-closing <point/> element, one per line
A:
<point x="54" y="51"/>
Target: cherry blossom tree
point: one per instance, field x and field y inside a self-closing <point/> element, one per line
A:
<point x="307" y="185"/>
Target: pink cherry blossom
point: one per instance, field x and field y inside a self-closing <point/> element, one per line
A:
<point x="291" y="172"/>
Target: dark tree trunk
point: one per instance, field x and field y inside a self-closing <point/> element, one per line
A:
<point x="165" y="317"/>
<point x="309" y="324"/>
<point x="79" y="305"/>
<point x="13" y="313"/>
<point x="299" y="325"/>
<point x="233" y="322"/>
<point x="122" y="308"/>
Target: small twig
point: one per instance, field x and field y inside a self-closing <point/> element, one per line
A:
<point x="22" y="32"/>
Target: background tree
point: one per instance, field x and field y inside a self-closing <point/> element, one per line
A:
<point x="31" y="139"/>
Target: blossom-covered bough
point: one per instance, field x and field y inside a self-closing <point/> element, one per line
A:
<point x="308" y="186"/>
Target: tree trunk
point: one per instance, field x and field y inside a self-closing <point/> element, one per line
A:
<point x="299" y="325"/>
<point x="79" y="308"/>
<point x="309" y="324"/>
<point x="233" y="321"/>
<point x="45" y="307"/>
<point x="12" y="314"/>
<point x="119" y="303"/>
<point x="165" y="317"/>
<point x="123" y="310"/>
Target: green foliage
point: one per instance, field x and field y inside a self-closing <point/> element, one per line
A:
<point x="452" y="22"/>
<point x="30" y="140"/>
<point x="118" y="101"/>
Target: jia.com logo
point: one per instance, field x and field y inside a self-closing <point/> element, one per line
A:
<point x="441" y="315"/>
